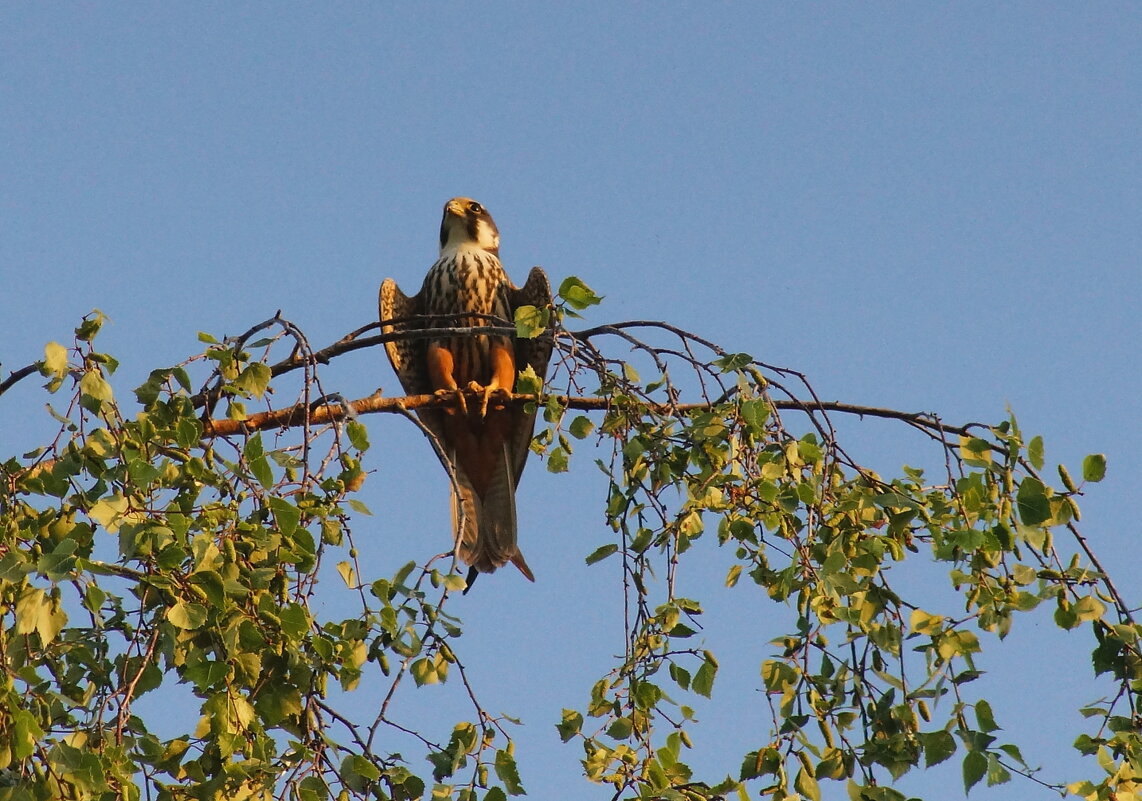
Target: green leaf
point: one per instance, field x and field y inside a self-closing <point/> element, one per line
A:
<point x="733" y="361"/>
<point x="455" y="582"/>
<point x="90" y="326"/>
<point x="55" y="360"/>
<point x="1094" y="467"/>
<point x="974" y="769"/>
<point x="923" y="622"/>
<point x="996" y="773"/>
<point x="703" y="682"/>
<point x="427" y="671"/>
<point x="254" y="379"/>
<point x="186" y="616"/>
<point x="527" y="382"/>
<point x="94" y="385"/>
<point x="109" y="512"/>
<point x="359" y="506"/>
<point x="938" y="746"/>
<point x="807" y="786"/>
<point x="557" y="460"/>
<point x="60" y="563"/>
<point x="347" y="574"/>
<point x="1089" y="608"/>
<point x="35" y="612"/>
<point x="984" y="716"/>
<point x="732" y="575"/>
<point x="286" y="515"/>
<point x="188" y="431"/>
<point x="1035" y="452"/>
<point x="602" y="552"/>
<point x="294" y="620"/>
<point x="211" y="584"/>
<point x="1031" y="498"/>
<point x="26" y="732"/>
<point x="508" y="773"/>
<point x="27" y="610"/>
<point x="620" y="729"/>
<point x="531" y="321"/>
<point x="581" y="427"/>
<point x="1065" y="617"/>
<point x="577" y="294"/>
<point x="358" y="435"/>
<point x="570" y="725"/>
<point x="182" y="377"/>
<point x="255" y="458"/>
<point x="975" y="451"/>
<point x="358" y="772"/>
<point x="755" y="413"/>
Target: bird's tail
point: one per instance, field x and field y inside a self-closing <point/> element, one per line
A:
<point x="485" y="528"/>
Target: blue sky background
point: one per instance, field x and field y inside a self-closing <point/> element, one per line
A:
<point x="922" y="206"/>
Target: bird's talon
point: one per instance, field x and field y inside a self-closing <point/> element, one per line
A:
<point x="458" y="394"/>
<point x="485" y="395"/>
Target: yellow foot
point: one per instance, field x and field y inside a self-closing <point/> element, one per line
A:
<point x="458" y="393"/>
<point x="501" y="395"/>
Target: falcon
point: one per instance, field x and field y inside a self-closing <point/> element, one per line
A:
<point x="484" y="437"/>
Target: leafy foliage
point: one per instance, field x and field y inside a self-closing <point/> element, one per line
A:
<point x="156" y="551"/>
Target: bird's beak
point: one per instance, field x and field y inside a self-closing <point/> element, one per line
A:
<point x="454" y="207"/>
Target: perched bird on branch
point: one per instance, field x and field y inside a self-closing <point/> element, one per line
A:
<point x="484" y="436"/>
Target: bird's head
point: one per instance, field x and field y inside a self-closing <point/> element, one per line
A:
<point x="467" y="223"/>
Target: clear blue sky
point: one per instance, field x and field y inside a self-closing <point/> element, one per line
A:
<point x="923" y="206"/>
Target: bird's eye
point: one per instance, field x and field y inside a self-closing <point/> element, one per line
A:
<point x="476" y="208"/>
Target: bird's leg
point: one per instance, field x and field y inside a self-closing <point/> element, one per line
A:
<point x="503" y="375"/>
<point x="440" y="375"/>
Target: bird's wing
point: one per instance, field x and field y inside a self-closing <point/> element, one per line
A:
<point x="405" y="355"/>
<point x="408" y="355"/>
<point x="535" y="353"/>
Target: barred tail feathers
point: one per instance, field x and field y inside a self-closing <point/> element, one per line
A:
<point x="486" y="531"/>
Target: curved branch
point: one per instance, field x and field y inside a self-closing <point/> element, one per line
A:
<point x="296" y="415"/>
<point x="19" y="375"/>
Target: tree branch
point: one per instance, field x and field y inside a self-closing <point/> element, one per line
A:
<point x="293" y="416"/>
<point x="19" y="375"/>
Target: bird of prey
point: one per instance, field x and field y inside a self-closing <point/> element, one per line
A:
<point x="485" y="439"/>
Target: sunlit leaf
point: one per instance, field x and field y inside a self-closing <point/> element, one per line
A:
<point x="348" y="575"/>
<point x="254" y="379"/>
<point x="578" y="295"/>
<point x="570" y="725"/>
<point x="1094" y="467"/>
<point x="55" y="360"/>
<point x="508" y="773"/>
<point x="1035" y="452"/>
<point x="531" y="321"/>
<point x="358" y="435"/>
<point x="703" y="681"/>
<point x="187" y="615"/>
<point x="94" y="385"/>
